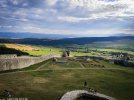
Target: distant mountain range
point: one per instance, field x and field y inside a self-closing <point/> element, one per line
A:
<point x="12" y="35"/>
<point x="122" y="34"/>
<point x="68" y="41"/>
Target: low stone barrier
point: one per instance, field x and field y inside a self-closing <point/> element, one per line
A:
<point x="22" y="62"/>
<point x="73" y="95"/>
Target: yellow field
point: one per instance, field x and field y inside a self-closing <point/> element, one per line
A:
<point x="33" y="50"/>
<point x="20" y="47"/>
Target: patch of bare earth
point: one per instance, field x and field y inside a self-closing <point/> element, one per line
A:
<point x="40" y="80"/>
<point x="67" y="75"/>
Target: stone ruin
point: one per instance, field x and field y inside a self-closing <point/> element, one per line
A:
<point x="8" y="56"/>
<point x="10" y="62"/>
<point x="74" y="95"/>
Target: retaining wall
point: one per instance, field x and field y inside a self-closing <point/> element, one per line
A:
<point x="22" y="62"/>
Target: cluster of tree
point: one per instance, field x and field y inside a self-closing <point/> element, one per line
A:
<point x="4" y="50"/>
<point x="4" y="41"/>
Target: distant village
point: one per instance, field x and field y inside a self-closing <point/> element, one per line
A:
<point x="119" y="58"/>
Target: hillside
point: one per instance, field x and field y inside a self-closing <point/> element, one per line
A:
<point x="69" y="41"/>
<point x="20" y="47"/>
<point x="4" y="50"/>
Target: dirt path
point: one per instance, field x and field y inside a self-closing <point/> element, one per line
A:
<point x="81" y="65"/>
<point x="57" y="69"/>
<point x="40" y="67"/>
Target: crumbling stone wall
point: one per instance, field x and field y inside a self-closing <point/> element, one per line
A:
<point x="22" y="62"/>
<point x="8" y="56"/>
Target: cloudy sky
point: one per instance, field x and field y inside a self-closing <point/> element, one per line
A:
<point x="78" y="17"/>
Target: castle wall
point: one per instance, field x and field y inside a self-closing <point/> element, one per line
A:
<point x="8" y="56"/>
<point x="22" y="62"/>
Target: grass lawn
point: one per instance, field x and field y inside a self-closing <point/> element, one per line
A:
<point x="52" y="84"/>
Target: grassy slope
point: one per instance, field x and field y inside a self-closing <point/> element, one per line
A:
<point x="19" y="46"/>
<point x="33" y="50"/>
<point x="44" y="50"/>
<point x="51" y="85"/>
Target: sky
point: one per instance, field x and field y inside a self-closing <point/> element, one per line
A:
<point x="77" y="17"/>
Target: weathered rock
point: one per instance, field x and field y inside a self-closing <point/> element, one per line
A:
<point x="73" y="95"/>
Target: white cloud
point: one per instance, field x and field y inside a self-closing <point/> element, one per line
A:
<point x="15" y="2"/>
<point x="51" y="2"/>
<point x="75" y="10"/>
<point x="72" y="19"/>
<point x="97" y="9"/>
<point x="42" y="15"/>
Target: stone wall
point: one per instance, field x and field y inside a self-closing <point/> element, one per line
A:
<point x="74" y="95"/>
<point x="8" y="56"/>
<point x="22" y="62"/>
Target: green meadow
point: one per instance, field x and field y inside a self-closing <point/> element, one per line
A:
<point x="51" y="84"/>
<point x="44" y="50"/>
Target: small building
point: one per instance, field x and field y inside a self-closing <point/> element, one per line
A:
<point x="88" y="59"/>
<point x="72" y="59"/>
<point x="65" y="54"/>
<point x="61" y="61"/>
<point x="8" y="56"/>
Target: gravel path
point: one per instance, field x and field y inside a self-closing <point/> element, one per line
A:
<point x="72" y="95"/>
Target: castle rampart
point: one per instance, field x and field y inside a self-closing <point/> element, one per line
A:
<point x="13" y="62"/>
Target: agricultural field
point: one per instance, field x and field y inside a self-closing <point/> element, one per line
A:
<point x="78" y="50"/>
<point x="33" y="50"/>
<point x="125" y="46"/>
<point x="49" y="80"/>
<point x="20" y="47"/>
<point x="44" y="50"/>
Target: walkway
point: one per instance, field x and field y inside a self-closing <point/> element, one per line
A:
<point x="57" y="69"/>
